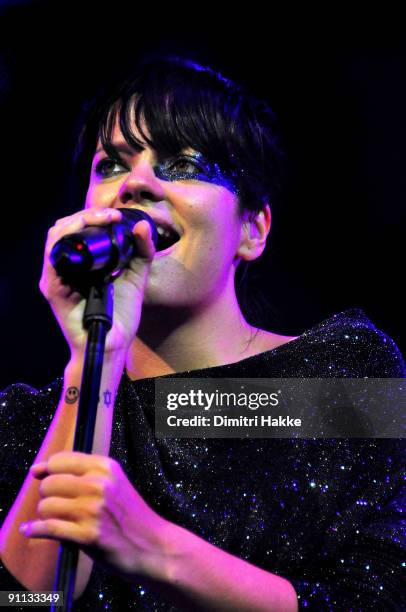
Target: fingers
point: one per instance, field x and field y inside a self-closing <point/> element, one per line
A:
<point x="94" y="214"/>
<point x="81" y="509"/>
<point x="68" y="304"/>
<point x="74" y="463"/>
<point x="58" y="529"/>
<point x="75" y="489"/>
<point x="75" y="223"/>
<point x="79" y="220"/>
<point x="143" y="237"/>
<point x="50" y="282"/>
<point x="71" y="487"/>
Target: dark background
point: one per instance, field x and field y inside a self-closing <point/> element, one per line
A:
<point x="337" y="84"/>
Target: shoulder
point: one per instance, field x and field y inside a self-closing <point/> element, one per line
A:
<point x="25" y="415"/>
<point x="346" y="345"/>
<point x="21" y="395"/>
<point x="25" y="412"/>
<point x="355" y="346"/>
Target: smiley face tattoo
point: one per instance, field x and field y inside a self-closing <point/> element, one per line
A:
<point x="71" y="395"/>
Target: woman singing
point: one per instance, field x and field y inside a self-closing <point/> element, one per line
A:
<point x="202" y="524"/>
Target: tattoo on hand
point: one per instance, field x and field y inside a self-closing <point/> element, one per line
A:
<point x="72" y="395"/>
<point x="107" y="397"/>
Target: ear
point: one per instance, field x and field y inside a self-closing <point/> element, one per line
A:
<point x="254" y="231"/>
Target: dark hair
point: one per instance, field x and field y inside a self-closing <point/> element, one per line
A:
<point x="185" y="105"/>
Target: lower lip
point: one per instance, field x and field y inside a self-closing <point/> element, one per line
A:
<point x="167" y="251"/>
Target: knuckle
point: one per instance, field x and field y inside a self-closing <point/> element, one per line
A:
<point x="105" y="486"/>
<point x="51" y="527"/>
<point x="43" y="282"/>
<point x="42" y="509"/>
<point x="92" y="535"/>
<point x="95" y="508"/>
<point x="116" y="468"/>
<point x="96" y="485"/>
<point x="59" y="454"/>
<point x="43" y="488"/>
<point x="56" y="460"/>
<point x="112" y="470"/>
<point x="47" y="485"/>
<point x="106" y="464"/>
<point x="101" y="465"/>
<point x="52" y="234"/>
<point x="61" y="221"/>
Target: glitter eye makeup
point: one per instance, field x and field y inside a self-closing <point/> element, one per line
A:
<point x="179" y="168"/>
<point x="195" y="166"/>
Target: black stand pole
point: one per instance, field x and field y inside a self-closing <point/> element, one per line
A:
<point x="97" y="320"/>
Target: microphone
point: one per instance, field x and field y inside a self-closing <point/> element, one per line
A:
<point x="97" y="253"/>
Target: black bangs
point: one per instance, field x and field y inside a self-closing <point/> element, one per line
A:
<point x="177" y="111"/>
<point x="182" y="105"/>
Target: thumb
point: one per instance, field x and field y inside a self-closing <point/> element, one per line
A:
<point x="143" y="237"/>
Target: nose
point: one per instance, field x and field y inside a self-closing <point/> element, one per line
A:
<point x="141" y="186"/>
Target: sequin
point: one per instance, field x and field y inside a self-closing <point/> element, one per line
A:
<point x="323" y="513"/>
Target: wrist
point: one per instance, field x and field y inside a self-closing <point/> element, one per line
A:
<point x="113" y="366"/>
<point x="173" y="542"/>
<point x="198" y="575"/>
<point x="77" y="358"/>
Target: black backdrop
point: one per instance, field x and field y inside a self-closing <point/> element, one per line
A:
<point x="338" y="87"/>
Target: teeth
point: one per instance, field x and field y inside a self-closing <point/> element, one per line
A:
<point x="164" y="232"/>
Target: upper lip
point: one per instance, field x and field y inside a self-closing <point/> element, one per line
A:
<point x="162" y="220"/>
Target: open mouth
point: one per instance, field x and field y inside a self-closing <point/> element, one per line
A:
<point x="166" y="238"/>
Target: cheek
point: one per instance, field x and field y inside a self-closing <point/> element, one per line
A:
<point x="212" y="230"/>
<point x="214" y="222"/>
<point x="199" y="268"/>
<point x="100" y="196"/>
<point x="211" y="209"/>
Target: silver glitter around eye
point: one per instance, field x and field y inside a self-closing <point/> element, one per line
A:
<point x="205" y="171"/>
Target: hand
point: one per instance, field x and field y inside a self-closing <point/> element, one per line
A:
<point x="68" y="306"/>
<point x="87" y="499"/>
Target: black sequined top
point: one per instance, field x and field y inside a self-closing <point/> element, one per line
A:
<point x="327" y="514"/>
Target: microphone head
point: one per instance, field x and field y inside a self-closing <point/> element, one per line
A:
<point x="98" y="253"/>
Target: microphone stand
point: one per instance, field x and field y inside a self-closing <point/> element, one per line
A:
<point x="98" y="318"/>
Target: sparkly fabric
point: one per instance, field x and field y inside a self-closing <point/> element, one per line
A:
<point x="324" y="513"/>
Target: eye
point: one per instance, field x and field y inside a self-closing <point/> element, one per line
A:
<point x="105" y="168"/>
<point x="185" y="164"/>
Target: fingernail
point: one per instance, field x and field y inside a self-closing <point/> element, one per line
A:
<point x="23" y="527"/>
<point x="36" y="467"/>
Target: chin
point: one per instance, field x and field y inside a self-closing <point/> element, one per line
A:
<point x="169" y="295"/>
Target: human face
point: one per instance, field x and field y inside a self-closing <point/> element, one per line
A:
<point x="201" y="207"/>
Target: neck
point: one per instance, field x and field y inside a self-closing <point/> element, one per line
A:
<point x="171" y="340"/>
